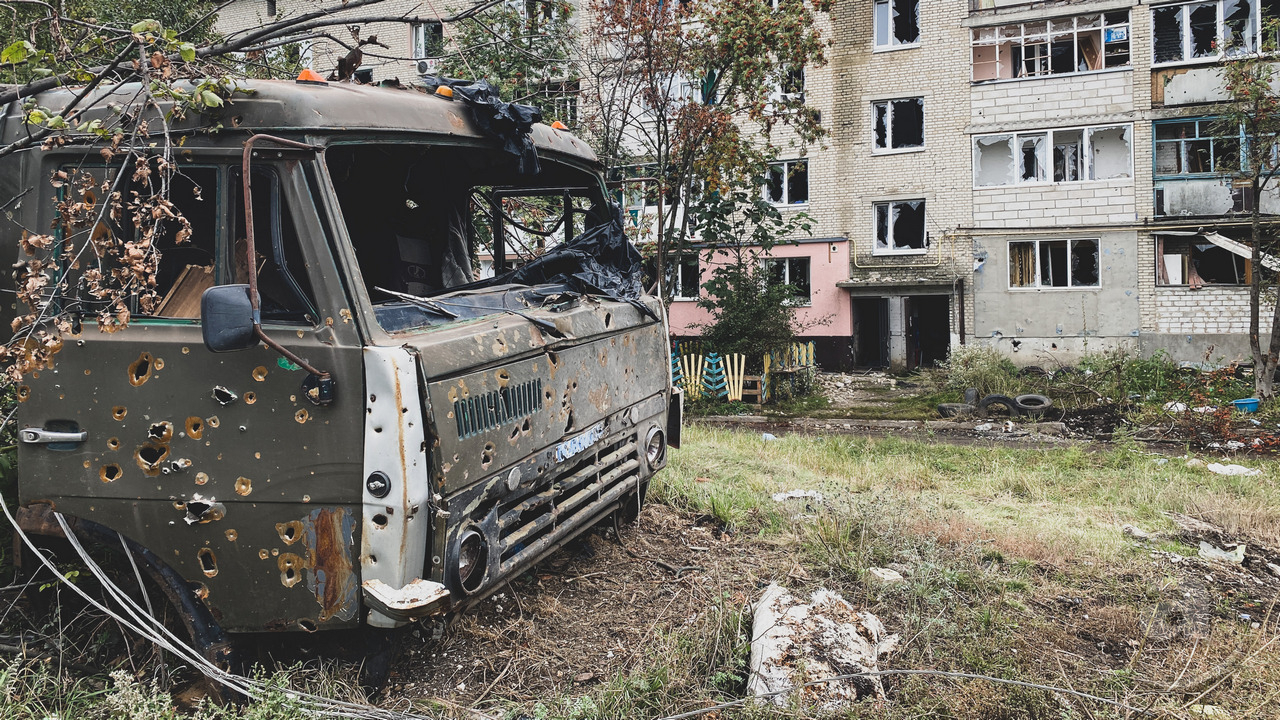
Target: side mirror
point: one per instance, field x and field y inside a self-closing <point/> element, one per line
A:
<point x="227" y="316"/>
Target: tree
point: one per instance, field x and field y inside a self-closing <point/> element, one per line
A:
<point x="1252" y="113"/>
<point x="691" y="89"/>
<point x="737" y="229"/>
<point x="525" y="49"/>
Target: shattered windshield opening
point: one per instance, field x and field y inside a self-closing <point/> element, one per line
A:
<point x="422" y="220"/>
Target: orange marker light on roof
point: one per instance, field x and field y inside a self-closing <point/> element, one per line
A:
<point x="445" y="91"/>
<point x="311" y="77"/>
<point x="559" y="125"/>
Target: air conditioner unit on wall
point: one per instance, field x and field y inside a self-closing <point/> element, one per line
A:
<point x="428" y="66"/>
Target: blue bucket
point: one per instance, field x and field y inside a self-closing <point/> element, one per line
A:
<point x="1246" y="405"/>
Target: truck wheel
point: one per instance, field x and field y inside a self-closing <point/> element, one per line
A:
<point x="631" y="505"/>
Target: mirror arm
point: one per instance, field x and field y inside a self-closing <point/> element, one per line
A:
<point x="251" y="251"/>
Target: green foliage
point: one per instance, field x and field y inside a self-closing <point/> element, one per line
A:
<point x="737" y="229"/>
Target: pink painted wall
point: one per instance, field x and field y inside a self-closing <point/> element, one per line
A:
<point x="828" y="264"/>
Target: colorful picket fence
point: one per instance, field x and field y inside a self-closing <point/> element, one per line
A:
<point x="711" y="375"/>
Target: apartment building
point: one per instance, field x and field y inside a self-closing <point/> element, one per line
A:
<point x="1043" y="177"/>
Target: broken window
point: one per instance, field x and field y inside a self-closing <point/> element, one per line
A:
<point x="428" y="39"/>
<point x="1193" y="147"/>
<point x="1051" y="47"/>
<point x="792" y="271"/>
<point x="899" y="124"/>
<point x="1194" y="262"/>
<point x="790" y="86"/>
<point x="284" y="289"/>
<point x="1075" y="154"/>
<point x="1204" y="30"/>
<point x="900" y="226"/>
<point x="897" y="23"/>
<point x="1053" y="263"/>
<point x="685" y="277"/>
<point x="788" y="183"/>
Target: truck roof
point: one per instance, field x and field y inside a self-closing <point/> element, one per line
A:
<point x="288" y="106"/>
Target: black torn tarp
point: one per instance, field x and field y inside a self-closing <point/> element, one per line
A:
<point x="601" y="261"/>
<point x="509" y="122"/>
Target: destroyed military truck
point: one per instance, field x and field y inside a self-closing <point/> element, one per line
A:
<point x="324" y="420"/>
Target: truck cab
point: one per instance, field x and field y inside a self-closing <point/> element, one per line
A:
<point x="317" y="416"/>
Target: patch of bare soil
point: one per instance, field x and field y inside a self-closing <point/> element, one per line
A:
<point x="589" y="611"/>
<point x="870" y="388"/>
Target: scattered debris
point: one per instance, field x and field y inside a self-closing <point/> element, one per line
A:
<point x="1056" y="429"/>
<point x="984" y="427"/>
<point x="793" y="494"/>
<point x="1196" y="463"/>
<point x="1209" y="552"/>
<point x="1209" y="711"/>
<point x="768" y="436"/>
<point x="1274" y="568"/>
<point x="1221" y="469"/>
<point x="794" y="643"/>
<point x="885" y="576"/>
<point x="1136" y="532"/>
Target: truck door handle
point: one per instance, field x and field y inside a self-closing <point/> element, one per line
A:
<point x="40" y="436"/>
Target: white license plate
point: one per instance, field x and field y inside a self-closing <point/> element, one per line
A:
<point x="577" y="444"/>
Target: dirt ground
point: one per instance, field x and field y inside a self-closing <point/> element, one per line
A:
<point x="587" y="612"/>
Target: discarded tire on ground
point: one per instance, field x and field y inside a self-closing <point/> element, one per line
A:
<point x="1033" y="405"/>
<point x="1005" y="400"/>
<point x="956" y="409"/>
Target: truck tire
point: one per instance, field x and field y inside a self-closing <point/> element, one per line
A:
<point x="1033" y="405"/>
<point x="947" y="410"/>
<point x="1005" y="400"/>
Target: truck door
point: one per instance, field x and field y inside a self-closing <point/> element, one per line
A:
<point x="216" y="462"/>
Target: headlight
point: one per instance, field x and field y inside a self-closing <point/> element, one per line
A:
<point x="473" y="560"/>
<point x="655" y="447"/>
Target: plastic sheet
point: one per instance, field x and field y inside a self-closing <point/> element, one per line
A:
<point x="509" y="122"/>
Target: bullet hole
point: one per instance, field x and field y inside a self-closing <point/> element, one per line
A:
<point x="110" y="473"/>
<point x="486" y="456"/>
<point x="307" y="625"/>
<point x="260" y="373"/>
<point x="373" y="398"/>
<point x="159" y="363"/>
<point x="504" y="377"/>
<point x="232" y="535"/>
<point x="306" y="498"/>
<point x="179" y="505"/>
<point x="250" y="398"/>
<point x="179" y="465"/>
<point x="573" y="385"/>
<point x="161" y="431"/>
<point x="140" y="370"/>
<point x="377" y="428"/>
<point x="373" y="559"/>
<point x="525" y="427"/>
<point x="289" y="532"/>
<point x="202" y="478"/>
<point x="244" y="486"/>
<point x="208" y="562"/>
<point x="547" y="395"/>
<point x="302" y="416"/>
<point x="24" y="393"/>
<point x="290" y="566"/>
<point x="554" y="359"/>
<point x="149" y="455"/>
<point x="195" y="427"/>
<point x="186" y="350"/>
<point x="204" y="510"/>
<point x="113" y="444"/>
<point x="212" y="422"/>
<point x="223" y="396"/>
<point x="200" y="590"/>
<point x="118" y="412"/>
<point x="515" y="433"/>
<point x="564" y="399"/>
<point x="380" y="520"/>
<point x="608" y="320"/>
<point x="569" y="424"/>
<point x="263" y="554"/>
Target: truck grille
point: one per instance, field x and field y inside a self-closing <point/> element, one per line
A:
<point x="531" y="524"/>
<point x="481" y="413"/>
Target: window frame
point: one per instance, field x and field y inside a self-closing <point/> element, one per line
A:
<point x="1036" y="273"/>
<point x="680" y="262"/>
<point x="1213" y="140"/>
<point x="1254" y="30"/>
<point x="1086" y="165"/>
<point x="891" y="44"/>
<point x="796" y="300"/>
<point x="419" y="39"/>
<point x="996" y="36"/>
<point x="876" y="149"/>
<point x="787" y="174"/>
<point x="876" y="249"/>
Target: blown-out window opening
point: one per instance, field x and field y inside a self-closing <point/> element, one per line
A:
<point x="1053" y="263"/>
<point x="900" y="227"/>
<point x="1061" y="46"/>
<point x="1053" y="156"/>
<point x="898" y="124"/>
<point x="897" y="23"/>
